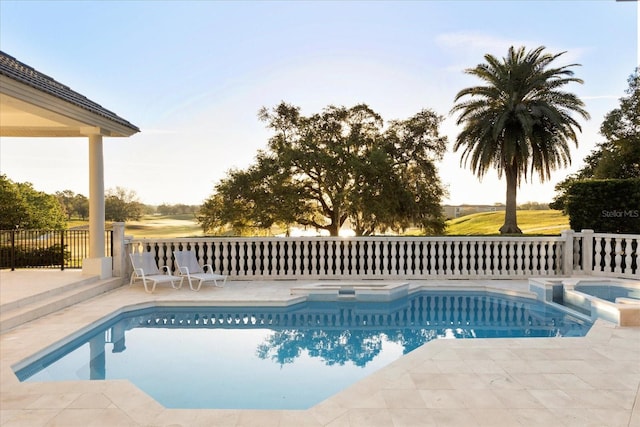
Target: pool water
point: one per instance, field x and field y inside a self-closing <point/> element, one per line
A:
<point x="283" y="357"/>
<point x="609" y="292"/>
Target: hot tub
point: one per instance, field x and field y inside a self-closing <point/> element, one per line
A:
<point x="615" y="300"/>
<point x="608" y="291"/>
<point x="360" y="291"/>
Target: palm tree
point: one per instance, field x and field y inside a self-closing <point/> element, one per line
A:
<point x="519" y="122"/>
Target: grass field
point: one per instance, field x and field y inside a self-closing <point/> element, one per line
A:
<point x="164" y="226"/>
<point x="159" y="226"/>
<point x="534" y="222"/>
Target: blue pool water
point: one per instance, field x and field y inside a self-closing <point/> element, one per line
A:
<point x="283" y="358"/>
<point x="609" y="292"/>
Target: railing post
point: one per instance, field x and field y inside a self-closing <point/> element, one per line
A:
<point x="567" y="252"/>
<point x="587" y="251"/>
<point x="13" y="250"/>
<point x="61" y="249"/>
<point x="118" y="249"/>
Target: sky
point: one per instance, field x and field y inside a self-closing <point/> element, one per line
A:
<point x="192" y="76"/>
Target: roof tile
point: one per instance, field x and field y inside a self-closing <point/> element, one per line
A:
<point x="16" y="70"/>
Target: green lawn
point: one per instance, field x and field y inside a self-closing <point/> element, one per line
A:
<point x="162" y="226"/>
<point x="534" y="222"/>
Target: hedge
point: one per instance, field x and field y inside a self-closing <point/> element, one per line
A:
<point x="36" y="257"/>
<point x="605" y="205"/>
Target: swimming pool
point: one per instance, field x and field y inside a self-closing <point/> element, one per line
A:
<point x="283" y="357"/>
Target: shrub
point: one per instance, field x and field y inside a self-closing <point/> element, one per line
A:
<point x="36" y="257"/>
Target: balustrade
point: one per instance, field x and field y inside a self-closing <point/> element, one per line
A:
<point x="615" y="254"/>
<point x="368" y="257"/>
<point x="407" y="257"/>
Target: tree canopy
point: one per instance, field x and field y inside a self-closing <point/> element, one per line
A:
<point x="121" y="205"/>
<point x="339" y="165"/>
<point x="520" y="122"/>
<point x="618" y="156"/>
<point x="74" y="204"/>
<point x="22" y="206"/>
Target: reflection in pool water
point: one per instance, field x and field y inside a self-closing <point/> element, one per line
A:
<point x="283" y="358"/>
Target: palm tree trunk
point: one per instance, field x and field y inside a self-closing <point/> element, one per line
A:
<point x="510" y="225"/>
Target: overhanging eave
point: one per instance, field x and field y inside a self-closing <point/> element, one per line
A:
<point x="29" y="112"/>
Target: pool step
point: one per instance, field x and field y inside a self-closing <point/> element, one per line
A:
<point x="18" y="312"/>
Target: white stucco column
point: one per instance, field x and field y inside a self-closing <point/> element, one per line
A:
<point x="96" y="197"/>
<point x="97" y="263"/>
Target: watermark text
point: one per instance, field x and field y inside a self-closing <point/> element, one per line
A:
<point x="620" y="213"/>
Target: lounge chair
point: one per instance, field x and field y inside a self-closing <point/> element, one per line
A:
<point x="146" y="269"/>
<point x="190" y="269"/>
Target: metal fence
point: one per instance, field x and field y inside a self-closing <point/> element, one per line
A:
<point x="47" y="248"/>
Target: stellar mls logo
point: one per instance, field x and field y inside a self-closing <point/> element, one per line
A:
<point x="618" y="213"/>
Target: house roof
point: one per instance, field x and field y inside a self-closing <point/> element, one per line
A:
<point x="21" y="73"/>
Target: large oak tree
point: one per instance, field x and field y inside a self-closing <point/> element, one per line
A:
<point x="340" y="164"/>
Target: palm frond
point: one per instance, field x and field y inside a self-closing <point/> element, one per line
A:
<point x="520" y="118"/>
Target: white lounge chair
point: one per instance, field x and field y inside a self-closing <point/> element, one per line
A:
<point x="146" y="269"/>
<point x="190" y="269"/>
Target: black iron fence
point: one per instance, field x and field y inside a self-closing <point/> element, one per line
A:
<point x="47" y="248"/>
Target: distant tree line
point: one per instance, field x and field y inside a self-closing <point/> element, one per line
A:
<point x="75" y="205"/>
<point x="533" y="206"/>
<point x="178" y="209"/>
<point x="122" y="205"/>
<point x="23" y="207"/>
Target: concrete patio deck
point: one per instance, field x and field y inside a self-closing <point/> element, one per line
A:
<point x="587" y="381"/>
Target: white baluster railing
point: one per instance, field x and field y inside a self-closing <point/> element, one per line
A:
<point x="606" y="254"/>
<point x="372" y="257"/>
<point x="408" y="257"/>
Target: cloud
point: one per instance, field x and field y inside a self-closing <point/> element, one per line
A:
<point x="469" y="41"/>
<point x="465" y="46"/>
<point x="600" y="97"/>
<point x="157" y="131"/>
